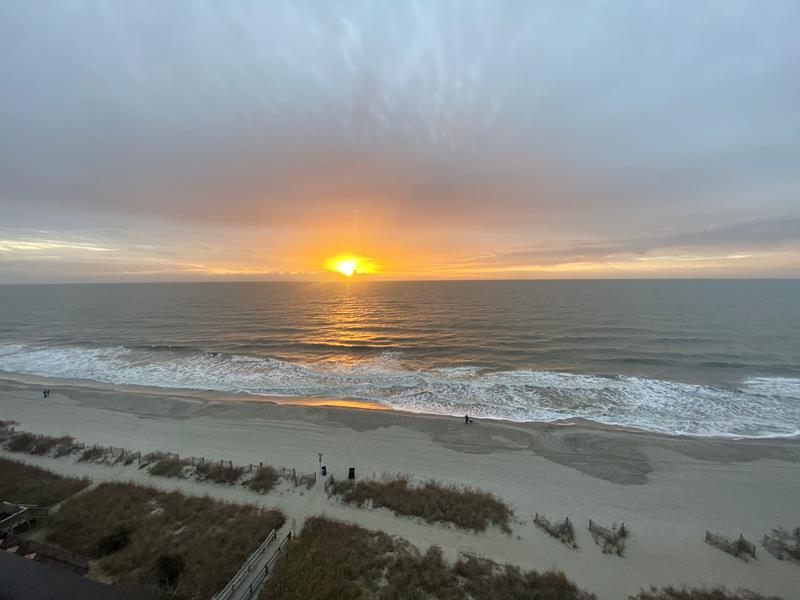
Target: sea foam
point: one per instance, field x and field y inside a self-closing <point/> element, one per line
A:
<point x="761" y="407"/>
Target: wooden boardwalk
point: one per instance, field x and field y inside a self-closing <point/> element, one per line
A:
<point x="255" y="571"/>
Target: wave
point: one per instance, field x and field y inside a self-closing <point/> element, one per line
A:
<point x="762" y="407"/>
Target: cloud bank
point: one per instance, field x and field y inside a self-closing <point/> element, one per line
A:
<point x="206" y="139"/>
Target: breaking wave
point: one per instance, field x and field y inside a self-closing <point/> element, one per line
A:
<point x="760" y="407"/>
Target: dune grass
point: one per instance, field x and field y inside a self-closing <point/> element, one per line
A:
<point x="264" y="479"/>
<point x="336" y="560"/>
<point x="219" y="473"/>
<point x="93" y="454"/>
<point x="41" y="444"/>
<point x="165" y="465"/>
<point x="135" y="531"/>
<point x="25" y="484"/>
<point x="671" y="593"/>
<point x="432" y="501"/>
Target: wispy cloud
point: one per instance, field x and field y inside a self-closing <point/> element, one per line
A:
<point x="23" y="246"/>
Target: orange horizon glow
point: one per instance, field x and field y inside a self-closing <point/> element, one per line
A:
<point x="350" y="264"/>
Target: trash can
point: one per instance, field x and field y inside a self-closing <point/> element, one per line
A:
<point x="324" y="471"/>
<point x="351" y="473"/>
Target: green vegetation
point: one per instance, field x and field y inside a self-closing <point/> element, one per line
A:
<point x="264" y="479"/>
<point x="671" y="593"/>
<point x="335" y="560"/>
<point x="25" y="484"/>
<point x="147" y="538"/>
<point x="432" y="501"/>
<point x="41" y="444"/>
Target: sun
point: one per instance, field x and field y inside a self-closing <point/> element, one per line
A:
<point x="346" y="266"/>
<point x="349" y="264"/>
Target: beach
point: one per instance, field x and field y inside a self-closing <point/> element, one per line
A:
<point x="668" y="490"/>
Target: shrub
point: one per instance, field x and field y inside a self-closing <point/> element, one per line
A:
<point x="463" y="507"/>
<point x="113" y="542"/>
<point x="169" y="568"/>
<point x="264" y="479"/>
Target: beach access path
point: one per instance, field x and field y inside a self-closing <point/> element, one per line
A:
<point x="669" y="491"/>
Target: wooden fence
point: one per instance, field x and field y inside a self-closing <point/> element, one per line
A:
<point x="739" y="548"/>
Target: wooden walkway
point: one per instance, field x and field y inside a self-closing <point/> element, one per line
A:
<point x="255" y="571"/>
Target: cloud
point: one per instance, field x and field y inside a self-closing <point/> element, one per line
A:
<point x="731" y="241"/>
<point x="484" y="125"/>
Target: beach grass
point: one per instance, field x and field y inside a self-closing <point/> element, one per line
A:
<point x="264" y="479"/>
<point x="336" y="560"/>
<point x="717" y="593"/>
<point x="166" y="466"/>
<point x="26" y="484"/>
<point x="92" y="454"/>
<point x="219" y="473"/>
<point x="40" y="445"/>
<point x="134" y="531"/>
<point x="432" y="501"/>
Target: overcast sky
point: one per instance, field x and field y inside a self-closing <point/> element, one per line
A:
<point x="179" y="140"/>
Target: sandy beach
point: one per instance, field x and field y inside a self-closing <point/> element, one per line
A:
<point x="667" y="490"/>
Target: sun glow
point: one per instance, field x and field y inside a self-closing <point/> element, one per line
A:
<point x="349" y="265"/>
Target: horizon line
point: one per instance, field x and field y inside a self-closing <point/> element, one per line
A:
<point x="416" y="280"/>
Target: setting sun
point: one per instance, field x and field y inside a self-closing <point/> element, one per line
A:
<point x="346" y="266"/>
<point x="349" y="265"/>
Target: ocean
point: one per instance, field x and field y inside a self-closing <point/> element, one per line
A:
<point x="696" y="357"/>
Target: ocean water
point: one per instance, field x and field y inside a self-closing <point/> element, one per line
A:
<point x="693" y="357"/>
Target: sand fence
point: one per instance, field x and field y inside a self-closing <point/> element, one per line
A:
<point x="783" y="544"/>
<point x="740" y="548"/>
<point x="165" y="464"/>
<point x="613" y="540"/>
<point x="563" y="531"/>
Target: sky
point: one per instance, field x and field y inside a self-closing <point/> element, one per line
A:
<point x="192" y="140"/>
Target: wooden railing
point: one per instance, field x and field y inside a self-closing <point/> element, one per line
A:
<point x="245" y="569"/>
<point x="25" y="514"/>
<point x="262" y="575"/>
